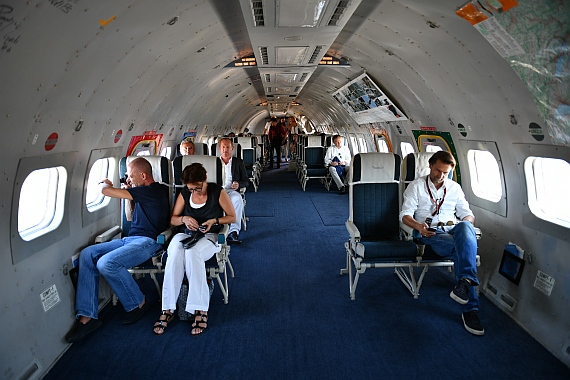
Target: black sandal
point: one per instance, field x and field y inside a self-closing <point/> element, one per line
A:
<point x="200" y="324"/>
<point x="162" y="324"/>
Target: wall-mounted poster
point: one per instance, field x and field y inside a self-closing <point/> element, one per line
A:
<point x="365" y="103"/>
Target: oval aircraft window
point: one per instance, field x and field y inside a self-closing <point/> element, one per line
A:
<point x="485" y="175"/>
<point x="101" y="169"/>
<point x="547" y="182"/>
<point x="41" y="203"/>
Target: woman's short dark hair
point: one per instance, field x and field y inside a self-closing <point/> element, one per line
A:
<point x="443" y="156"/>
<point x="193" y="173"/>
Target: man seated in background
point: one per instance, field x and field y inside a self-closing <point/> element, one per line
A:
<point x="187" y="147"/>
<point x="235" y="178"/>
<point x="338" y="160"/>
<point x="435" y="200"/>
<point x="151" y="216"/>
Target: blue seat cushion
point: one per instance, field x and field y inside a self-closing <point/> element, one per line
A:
<point x="390" y="250"/>
<point x="316" y="172"/>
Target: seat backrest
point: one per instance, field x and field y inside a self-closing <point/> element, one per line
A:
<point x="315" y="156"/>
<point x="374" y="195"/>
<point x="201" y="149"/>
<point x="161" y="172"/>
<point x="213" y="166"/>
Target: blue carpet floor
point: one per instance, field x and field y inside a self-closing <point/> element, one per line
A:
<point x="289" y="314"/>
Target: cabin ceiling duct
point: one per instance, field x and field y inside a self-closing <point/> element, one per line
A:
<point x="289" y="39"/>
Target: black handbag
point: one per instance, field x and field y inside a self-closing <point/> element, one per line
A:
<point x="191" y="241"/>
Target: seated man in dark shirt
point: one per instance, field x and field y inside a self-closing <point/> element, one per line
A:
<point x="112" y="259"/>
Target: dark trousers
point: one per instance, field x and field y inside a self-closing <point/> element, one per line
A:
<point x="275" y="146"/>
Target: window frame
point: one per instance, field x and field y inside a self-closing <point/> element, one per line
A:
<point x="475" y="168"/>
<point x="20" y="248"/>
<point x="500" y="207"/>
<point x="89" y="217"/>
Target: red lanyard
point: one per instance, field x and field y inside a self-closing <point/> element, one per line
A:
<point x="437" y="206"/>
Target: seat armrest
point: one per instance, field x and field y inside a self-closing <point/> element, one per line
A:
<point x="165" y="235"/>
<point x="352" y="230"/>
<point x="223" y="234"/>
<point x="108" y="235"/>
<point x="407" y="231"/>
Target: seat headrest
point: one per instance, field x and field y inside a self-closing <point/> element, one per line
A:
<point x="375" y="168"/>
<point x="201" y="148"/>
<point x="416" y="165"/>
<point x="245" y="142"/>
<point x="213" y="166"/>
<point x="314" y="141"/>
<point x="160" y="167"/>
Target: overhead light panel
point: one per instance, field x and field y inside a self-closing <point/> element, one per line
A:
<point x="300" y="13"/>
<point x="293" y="55"/>
<point x="285" y="78"/>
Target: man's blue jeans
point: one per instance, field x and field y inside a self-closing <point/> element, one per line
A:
<point x="459" y="244"/>
<point x="112" y="260"/>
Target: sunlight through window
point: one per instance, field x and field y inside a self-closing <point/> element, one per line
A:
<point x="485" y="175"/>
<point x="41" y="204"/>
<point x="547" y="181"/>
<point x="101" y="169"/>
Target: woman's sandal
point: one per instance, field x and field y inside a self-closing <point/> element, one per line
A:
<point x="199" y="325"/>
<point x="162" y="324"/>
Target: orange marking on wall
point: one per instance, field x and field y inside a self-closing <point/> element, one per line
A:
<point x="106" y="22"/>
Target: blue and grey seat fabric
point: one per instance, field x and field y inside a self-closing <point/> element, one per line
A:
<point x="313" y="164"/>
<point x="250" y="158"/>
<point x="216" y="265"/>
<point x="373" y="222"/>
<point x="162" y="173"/>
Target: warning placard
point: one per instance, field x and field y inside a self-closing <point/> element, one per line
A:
<point x="544" y="283"/>
<point x="49" y="298"/>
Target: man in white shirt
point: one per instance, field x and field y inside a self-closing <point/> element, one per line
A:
<point x="430" y="206"/>
<point x="338" y="160"/>
<point x="235" y="178"/>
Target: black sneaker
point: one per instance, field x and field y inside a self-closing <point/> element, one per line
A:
<point x="80" y="330"/>
<point x="135" y="314"/>
<point x="472" y="323"/>
<point x="461" y="291"/>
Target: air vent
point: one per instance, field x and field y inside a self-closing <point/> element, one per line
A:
<point x="257" y="11"/>
<point x="303" y="77"/>
<point x="268" y="78"/>
<point x="264" y="56"/>
<point x="315" y="54"/>
<point x="292" y="96"/>
<point x="268" y="89"/>
<point x="340" y="8"/>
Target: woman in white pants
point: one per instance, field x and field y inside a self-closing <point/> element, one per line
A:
<point x="201" y="205"/>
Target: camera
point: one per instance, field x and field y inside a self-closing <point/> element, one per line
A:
<point x="123" y="180"/>
<point x="202" y="228"/>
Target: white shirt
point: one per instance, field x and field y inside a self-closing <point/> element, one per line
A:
<point x="343" y="154"/>
<point x="227" y="174"/>
<point x="419" y="205"/>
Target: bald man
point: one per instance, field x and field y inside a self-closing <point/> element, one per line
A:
<point x="151" y="216"/>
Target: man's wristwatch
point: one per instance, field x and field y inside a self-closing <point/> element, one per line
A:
<point x="217" y="222"/>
